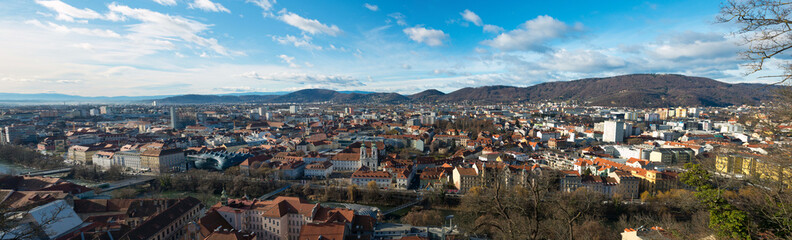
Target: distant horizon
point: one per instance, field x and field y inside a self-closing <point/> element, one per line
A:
<point x="342" y="91"/>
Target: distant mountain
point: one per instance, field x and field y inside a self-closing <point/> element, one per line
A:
<point x="430" y="95"/>
<point x="301" y="96"/>
<point x="651" y="90"/>
<point x="57" y="97"/>
<point x="634" y="90"/>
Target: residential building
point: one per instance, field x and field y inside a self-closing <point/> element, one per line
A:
<point x="284" y="218"/>
<point x="465" y="178"/>
<point x="613" y="132"/>
<point x="321" y="170"/>
<point x="160" y="160"/>
<point x="363" y="176"/>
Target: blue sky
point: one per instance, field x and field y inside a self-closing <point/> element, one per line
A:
<point x="154" y="47"/>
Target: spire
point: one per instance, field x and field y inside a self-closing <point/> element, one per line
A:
<point x="224" y="197"/>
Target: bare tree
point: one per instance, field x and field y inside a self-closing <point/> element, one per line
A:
<point x="573" y="207"/>
<point x="765" y="29"/>
<point x="507" y="208"/>
<point x="18" y="224"/>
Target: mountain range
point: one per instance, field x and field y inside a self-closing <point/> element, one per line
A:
<point x="634" y="90"/>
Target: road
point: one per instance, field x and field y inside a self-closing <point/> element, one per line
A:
<point x="126" y="183"/>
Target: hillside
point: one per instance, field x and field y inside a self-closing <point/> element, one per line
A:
<point x="635" y="90"/>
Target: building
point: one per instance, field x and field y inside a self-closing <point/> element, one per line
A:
<point x="84" y="154"/>
<point x="56" y="219"/>
<point x="168" y="224"/>
<point x="16" y="134"/>
<point x="654" y="233"/>
<point x="613" y="132"/>
<point x="321" y="231"/>
<point x="628" y="185"/>
<point x="292" y="169"/>
<point x="363" y="176"/>
<point x="163" y="160"/>
<point x="104" y="110"/>
<point x="754" y="166"/>
<point x="321" y="170"/>
<point x="218" y="160"/>
<point x="672" y="155"/>
<point x="284" y="218"/>
<point x="465" y="178"/>
<point x="128" y="159"/>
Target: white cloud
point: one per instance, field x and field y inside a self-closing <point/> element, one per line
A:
<point x="431" y="37"/>
<point x="240" y="89"/>
<point x="695" y="45"/>
<point x="304" y="42"/>
<point x="166" y="2"/>
<point x="266" y="5"/>
<point x="308" y="64"/>
<point x="311" y="26"/>
<point x="68" y="81"/>
<point x="69" y="13"/>
<point x="304" y="78"/>
<point x="371" y="7"/>
<point x="406" y="66"/>
<point x="289" y="60"/>
<point x="162" y="29"/>
<point x="492" y="28"/>
<point x="470" y="16"/>
<point x="400" y="18"/>
<point x="208" y="5"/>
<point x="581" y="61"/>
<point x="533" y="35"/>
<point x="84" y="31"/>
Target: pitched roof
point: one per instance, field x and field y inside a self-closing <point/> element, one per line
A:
<point x="323" y="231"/>
<point x="151" y="227"/>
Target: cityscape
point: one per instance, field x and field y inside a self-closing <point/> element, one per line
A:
<point x="173" y="119"/>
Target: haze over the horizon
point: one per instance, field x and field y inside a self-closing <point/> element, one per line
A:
<point x="165" y="47"/>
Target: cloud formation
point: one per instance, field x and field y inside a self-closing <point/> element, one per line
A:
<point x="428" y="36"/>
<point x="300" y="42"/>
<point x="311" y="26"/>
<point x="371" y="7"/>
<point x="208" y="5"/>
<point x="289" y="60"/>
<point x="470" y="16"/>
<point x="83" y="31"/>
<point x="163" y="29"/>
<point x="266" y="5"/>
<point x="66" y="12"/>
<point x="166" y="2"/>
<point x="304" y="78"/>
<point x="533" y="35"/>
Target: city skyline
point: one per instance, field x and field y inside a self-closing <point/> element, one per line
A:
<point x="166" y="47"/>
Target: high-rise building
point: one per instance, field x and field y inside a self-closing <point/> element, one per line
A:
<point x="18" y="134"/>
<point x="293" y="109"/>
<point x="173" y="117"/>
<point x="651" y="117"/>
<point x="105" y="110"/>
<point x="613" y="132"/>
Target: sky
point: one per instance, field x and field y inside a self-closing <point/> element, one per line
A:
<point x="168" y="47"/>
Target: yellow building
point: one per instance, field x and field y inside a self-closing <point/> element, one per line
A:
<point x="755" y="166"/>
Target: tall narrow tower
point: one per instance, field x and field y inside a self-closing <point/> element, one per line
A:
<point x="173" y="117"/>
